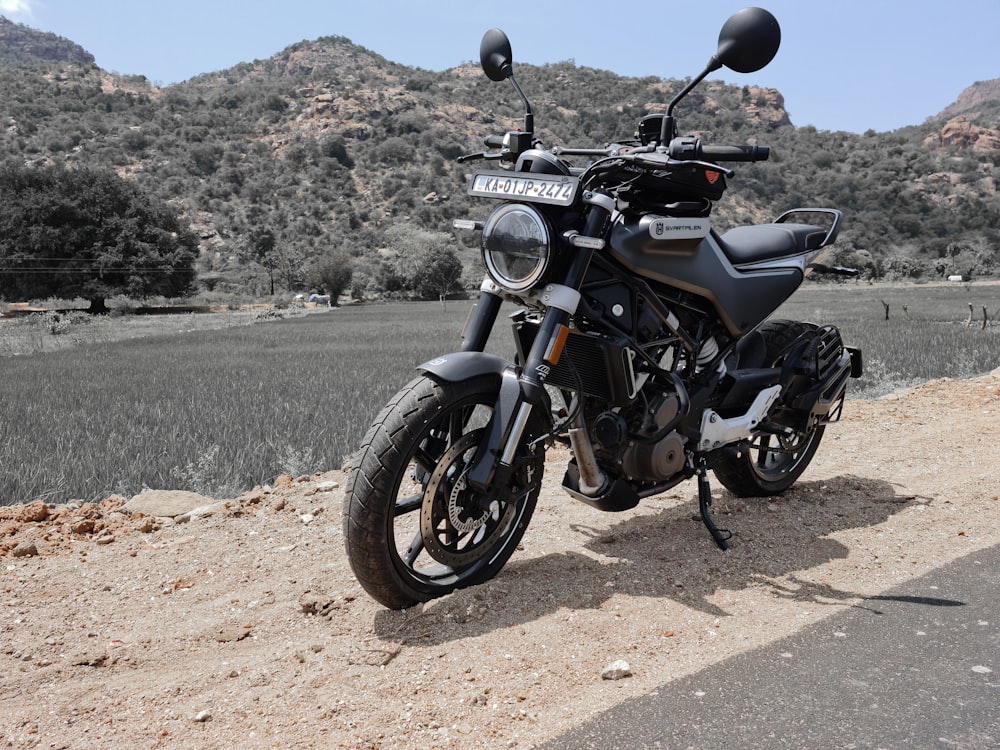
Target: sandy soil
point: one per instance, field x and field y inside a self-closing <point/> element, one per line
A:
<point x="244" y="628"/>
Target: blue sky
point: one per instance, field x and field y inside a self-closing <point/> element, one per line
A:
<point x="843" y="65"/>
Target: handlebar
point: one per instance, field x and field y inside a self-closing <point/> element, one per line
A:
<point x="511" y="145"/>
<point x="686" y="151"/>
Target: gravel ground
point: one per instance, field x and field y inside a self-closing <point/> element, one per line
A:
<point x="240" y="625"/>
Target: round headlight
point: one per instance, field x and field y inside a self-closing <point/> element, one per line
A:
<point x="516" y="242"/>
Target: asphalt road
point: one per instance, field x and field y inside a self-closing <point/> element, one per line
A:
<point x="915" y="668"/>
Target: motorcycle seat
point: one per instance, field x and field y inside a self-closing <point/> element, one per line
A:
<point x="751" y="244"/>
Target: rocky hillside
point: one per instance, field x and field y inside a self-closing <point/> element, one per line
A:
<point x="23" y="44"/>
<point x="972" y="122"/>
<point x="328" y="145"/>
<point x="980" y="100"/>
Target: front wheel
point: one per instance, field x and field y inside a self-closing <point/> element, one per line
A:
<point x="770" y="464"/>
<point x="413" y="529"/>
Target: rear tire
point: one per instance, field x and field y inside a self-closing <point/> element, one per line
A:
<point x="413" y="530"/>
<point x="769" y="464"/>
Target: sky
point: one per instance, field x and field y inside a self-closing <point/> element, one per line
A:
<point x="848" y="65"/>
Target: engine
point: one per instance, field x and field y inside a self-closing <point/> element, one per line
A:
<point x="630" y="438"/>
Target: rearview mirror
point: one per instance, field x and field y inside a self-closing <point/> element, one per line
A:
<point x="496" y="56"/>
<point x="748" y="41"/>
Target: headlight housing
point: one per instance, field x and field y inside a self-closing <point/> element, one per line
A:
<point x="517" y="243"/>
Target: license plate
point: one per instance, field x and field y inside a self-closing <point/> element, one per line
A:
<point x="557" y="190"/>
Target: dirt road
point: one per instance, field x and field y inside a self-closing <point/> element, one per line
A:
<point x="242" y="626"/>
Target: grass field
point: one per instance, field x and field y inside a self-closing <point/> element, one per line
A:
<point x="927" y="340"/>
<point x="219" y="411"/>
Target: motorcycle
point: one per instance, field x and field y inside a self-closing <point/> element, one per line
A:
<point x="643" y="341"/>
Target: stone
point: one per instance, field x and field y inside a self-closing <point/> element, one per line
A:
<point x="31" y="513"/>
<point x="617" y="670"/>
<point x="201" y="511"/>
<point x="166" y="503"/>
<point x="25" y="549"/>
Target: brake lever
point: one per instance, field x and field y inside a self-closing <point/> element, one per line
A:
<point x="662" y="160"/>
<point x="487" y="155"/>
<point x="710" y="167"/>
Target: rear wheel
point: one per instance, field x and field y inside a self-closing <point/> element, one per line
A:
<point x="413" y="528"/>
<point x="770" y="464"/>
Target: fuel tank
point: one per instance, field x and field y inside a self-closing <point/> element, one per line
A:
<point x="685" y="253"/>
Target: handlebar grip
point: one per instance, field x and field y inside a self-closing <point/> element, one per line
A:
<point x="735" y="153"/>
<point x="689" y="148"/>
<point x="493" y="141"/>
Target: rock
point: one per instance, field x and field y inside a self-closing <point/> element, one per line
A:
<point x="166" y="503"/>
<point x="232" y="633"/>
<point x="617" y="670"/>
<point x="31" y="513"/>
<point x="93" y="657"/>
<point x="200" y="512"/>
<point x="327" y="486"/>
<point x="203" y="716"/>
<point x="86" y="526"/>
<point x="146" y="524"/>
<point x="964" y="134"/>
<point x="25" y="549"/>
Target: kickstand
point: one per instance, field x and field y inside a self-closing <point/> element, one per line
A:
<point x="721" y="536"/>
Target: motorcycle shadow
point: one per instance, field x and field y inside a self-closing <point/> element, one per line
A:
<point x="664" y="553"/>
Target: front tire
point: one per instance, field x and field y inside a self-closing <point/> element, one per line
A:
<point x="413" y="530"/>
<point x="768" y="465"/>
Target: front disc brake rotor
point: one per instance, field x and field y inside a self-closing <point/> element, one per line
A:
<point x="458" y="525"/>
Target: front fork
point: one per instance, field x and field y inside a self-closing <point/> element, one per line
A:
<point x="524" y="390"/>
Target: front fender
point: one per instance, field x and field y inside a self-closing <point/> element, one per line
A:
<point x="458" y="366"/>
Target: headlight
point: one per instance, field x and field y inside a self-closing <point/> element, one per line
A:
<point x="516" y="243"/>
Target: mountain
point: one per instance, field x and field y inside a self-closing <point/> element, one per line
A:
<point x="973" y="121"/>
<point x="981" y="99"/>
<point x="21" y="44"/>
<point x="327" y="145"/>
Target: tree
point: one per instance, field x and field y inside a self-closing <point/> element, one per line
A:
<point x="334" y="273"/>
<point x="438" y="273"/>
<point x="261" y="243"/>
<point x="424" y="263"/>
<point x="88" y="233"/>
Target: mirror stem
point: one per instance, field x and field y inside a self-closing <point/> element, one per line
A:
<point x="529" y="116"/>
<point x="667" y="131"/>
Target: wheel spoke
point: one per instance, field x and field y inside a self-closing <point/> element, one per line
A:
<point x="763" y="452"/>
<point x="456" y="426"/>
<point x="414" y="550"/>
<point x="426" y="461"/>
<point x="408" y="505"/>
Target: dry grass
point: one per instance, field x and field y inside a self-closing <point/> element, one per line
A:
<point x="222" y="410"/>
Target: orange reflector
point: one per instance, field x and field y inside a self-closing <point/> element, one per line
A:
<point x="556" y="350"/>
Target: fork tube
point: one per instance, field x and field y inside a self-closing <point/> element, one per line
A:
<point x="480" y="323"/>
<point x="515" y="402"/>
<point x="563" y="299"/>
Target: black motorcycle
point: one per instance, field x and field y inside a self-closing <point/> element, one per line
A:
<point x="642" y="339"/>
